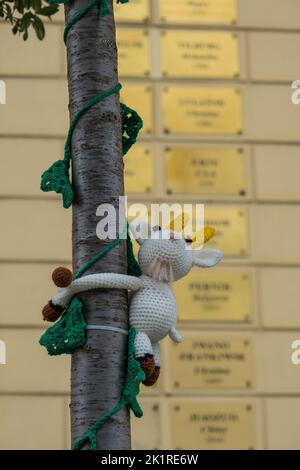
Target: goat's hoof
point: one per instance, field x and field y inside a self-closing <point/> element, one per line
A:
<point x="147" y="364"/>
<point x="52" y="312"/>
<point x="153" y="377"/>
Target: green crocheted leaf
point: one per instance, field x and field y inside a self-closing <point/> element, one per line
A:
<point x="68" y="334"/>
<point x="132" y="123"/>
<point x="135" y="376"/>
<point x="56" y="178"/>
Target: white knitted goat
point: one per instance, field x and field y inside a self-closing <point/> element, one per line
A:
<point x="163" y="258"/>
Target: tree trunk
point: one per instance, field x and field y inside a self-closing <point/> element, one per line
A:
<point x="98" y="369"/>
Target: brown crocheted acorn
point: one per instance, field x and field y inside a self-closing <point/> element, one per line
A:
<point x="52" y="312"/>
<point x="62" y="277"/>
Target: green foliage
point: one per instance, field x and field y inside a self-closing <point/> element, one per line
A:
<point x="23" y="14"/>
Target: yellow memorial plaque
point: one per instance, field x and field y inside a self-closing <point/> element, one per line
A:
<point x="214" y="296"/>
<point x="202" y="110"/>
<point x="213" y="425"/>
<point x="139" y="170"/>
<point x="136" y="11"/>
<point x="147" y="436"/>
<point x="208" y="11"/>
<point x="204" y="362"/>
<point x="231" y="224"/>
<point x="134" y="52"/>
<point x="139" y="97"/>
<point x="199" y="54"/>
<point x="205" y="170"/>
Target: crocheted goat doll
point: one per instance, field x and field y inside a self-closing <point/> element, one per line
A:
<point x="163" y="259"/>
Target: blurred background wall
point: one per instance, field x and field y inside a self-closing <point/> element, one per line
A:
<point x="212" y="81"/>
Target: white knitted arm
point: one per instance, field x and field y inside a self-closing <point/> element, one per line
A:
<point x="106" y="280"/>
<point x="63" y="297"/>
<point x="175" y="335"/>
<point x="96" y="281"/>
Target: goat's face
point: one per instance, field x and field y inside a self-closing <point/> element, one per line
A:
<point x="166" y="257"/>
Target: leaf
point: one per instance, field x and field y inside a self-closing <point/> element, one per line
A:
<point x="19" y="6"/>
<point x="48" y="11"/>
<point x="9" y="15"/>
<point x="36" y="5"/>
<point x="39" y="28"/>
<point x="25" y="22"/>
<point x="22" y="14"/>
<point x="15" y="29"/>
<point x="25" y="35"/>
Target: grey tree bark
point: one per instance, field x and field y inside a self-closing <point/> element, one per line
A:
<point x="98" y="369"/>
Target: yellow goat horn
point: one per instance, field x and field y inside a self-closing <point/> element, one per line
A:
<point x="177" y="224"/>
<point x="204" y="235"/>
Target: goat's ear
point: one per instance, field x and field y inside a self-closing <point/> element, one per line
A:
<point x="140" y="230"/>
<point x="206" y="257"/>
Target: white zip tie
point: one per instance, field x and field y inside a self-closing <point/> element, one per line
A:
<point x="108" y="328"/>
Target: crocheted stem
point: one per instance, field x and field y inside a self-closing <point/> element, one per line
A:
<point x="99" y="368"/>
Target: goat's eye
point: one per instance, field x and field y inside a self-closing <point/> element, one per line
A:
<point x="156" y="228"/>
<point x="188" y="240"/>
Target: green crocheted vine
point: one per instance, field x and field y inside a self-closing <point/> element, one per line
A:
<point x="57" y="177"/>
<point x="69" y="333"/>
<point x="103" y="9"/>
<point x="134" y="377"/>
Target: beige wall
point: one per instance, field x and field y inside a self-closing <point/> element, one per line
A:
<point x="255" y="206"/>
